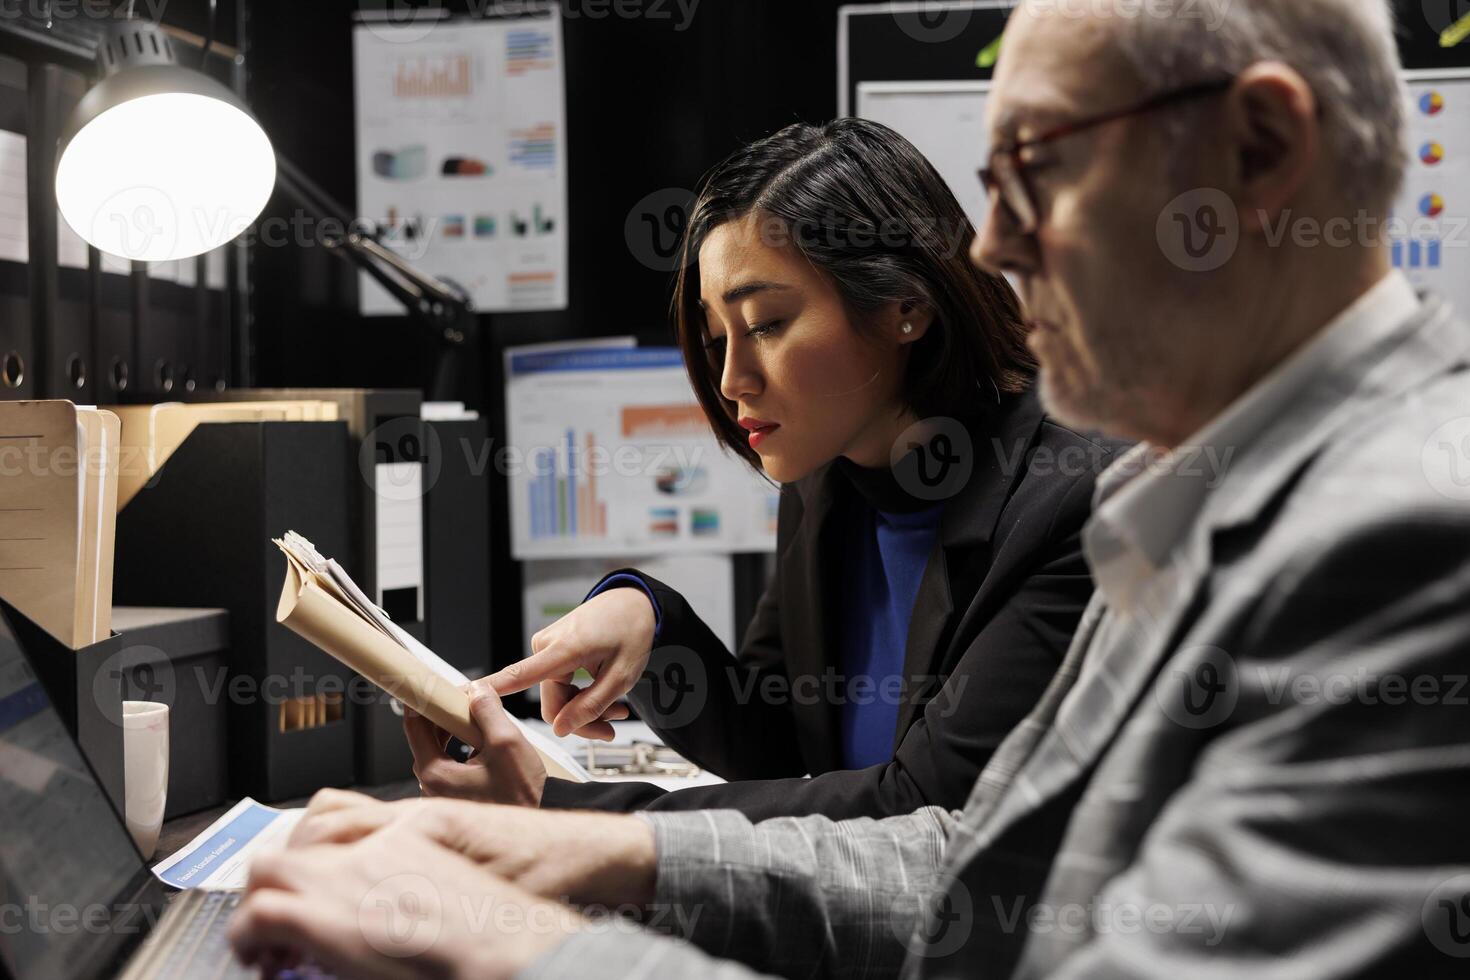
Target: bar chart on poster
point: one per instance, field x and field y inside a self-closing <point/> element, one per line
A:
<point x="461" y="156"/>
<point x="1430" y="231"/>
<point x="609" y="454"/>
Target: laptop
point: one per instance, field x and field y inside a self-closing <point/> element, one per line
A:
<point x="77" y="900"/>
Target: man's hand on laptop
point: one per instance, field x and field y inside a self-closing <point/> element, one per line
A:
<point x="507" y="770"/>
<point x="582" y="857"/>
<point x="392" y="903"/>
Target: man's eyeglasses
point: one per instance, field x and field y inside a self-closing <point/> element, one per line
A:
<point x="1005" y="175"/>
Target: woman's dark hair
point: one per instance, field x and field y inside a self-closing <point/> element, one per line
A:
<point x="865" y="207"/>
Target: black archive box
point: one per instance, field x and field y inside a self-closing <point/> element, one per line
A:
<point x="200" y="535"/>
<point x="181" y="657"/>
<point x="457" y="610"/>
<point x="82" y="684"/>
<point x="383" y="427"/>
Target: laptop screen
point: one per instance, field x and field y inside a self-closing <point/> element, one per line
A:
<point x="74" y="892"/>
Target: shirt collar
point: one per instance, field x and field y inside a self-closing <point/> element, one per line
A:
<point x="1146" y="502"/>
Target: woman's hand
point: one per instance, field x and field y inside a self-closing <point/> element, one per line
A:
<point x="611" y="636"/>
<point x="506" y="770"/>
<point x="583" y="857"/>
<point x="392" y="904"/>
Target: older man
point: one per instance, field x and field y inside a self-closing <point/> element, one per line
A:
<point x="1255" y="755"/>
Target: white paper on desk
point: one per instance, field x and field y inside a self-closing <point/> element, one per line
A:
<point x="624" y="733"/>
<point x="219" y="858"/>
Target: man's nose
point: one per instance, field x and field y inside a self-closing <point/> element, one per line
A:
<point x="999" y="247"/>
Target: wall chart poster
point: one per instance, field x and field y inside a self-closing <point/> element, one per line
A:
<point x="610" y="454"/>
<point x="1430" y="233"/>
<point x="461" y="156"/>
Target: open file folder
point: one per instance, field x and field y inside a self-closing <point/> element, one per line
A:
<point x="322" y="604"/>
<point x="58" y="516"/>
<point x="151" y="433"/>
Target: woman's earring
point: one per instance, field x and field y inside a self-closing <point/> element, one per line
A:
<point x="908" y="328"/>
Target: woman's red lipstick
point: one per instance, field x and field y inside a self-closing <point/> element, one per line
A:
<point x="759" y="430"/>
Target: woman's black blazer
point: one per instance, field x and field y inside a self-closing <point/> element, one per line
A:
<point x="997" y="605"/>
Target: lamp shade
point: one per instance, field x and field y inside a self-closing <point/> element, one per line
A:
<point x="158" y="161"/>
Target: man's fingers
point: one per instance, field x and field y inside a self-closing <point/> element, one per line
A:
<point x="554" y="661"/>
<point x="268" y="921"/>
<point x="328" y="800"/>
<point x="341" y="826"/>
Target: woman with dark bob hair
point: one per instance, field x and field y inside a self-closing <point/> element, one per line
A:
<point x="928" y="574"/>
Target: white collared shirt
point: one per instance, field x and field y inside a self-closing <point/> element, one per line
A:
<point x="1145" y="503"/>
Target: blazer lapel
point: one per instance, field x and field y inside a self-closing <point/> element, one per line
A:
<point x="1120" y="658"/>
<point x="807" y="596"/>
<point x="960" y="558"/>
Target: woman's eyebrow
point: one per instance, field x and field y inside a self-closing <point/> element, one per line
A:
<point x="740" y="292"/>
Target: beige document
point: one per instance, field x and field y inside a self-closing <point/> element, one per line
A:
<point x="101" y="431"/>
<point x="91" y="475"/>
<point x="58" y="513"/>
<point x="151" y="433"/>
<point x="40" y="511"/>
<point x="320" y="603"/>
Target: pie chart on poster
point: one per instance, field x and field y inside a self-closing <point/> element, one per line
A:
<point x="1431" y="103"/>
<point x="1432" y="153"/>
<point x="1431" y="206"/>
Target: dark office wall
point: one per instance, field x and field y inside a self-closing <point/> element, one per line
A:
<point x="649" y="106"/>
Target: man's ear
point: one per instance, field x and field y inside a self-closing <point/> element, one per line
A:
<point x="1275" y="131"/>
<point x="909" y="321"/>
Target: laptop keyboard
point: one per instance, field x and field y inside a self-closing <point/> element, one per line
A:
<point x="191" y="943"/>
<point x="202" y="949"/>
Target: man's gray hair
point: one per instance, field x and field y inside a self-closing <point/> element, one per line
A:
<point x="1345" y="49"/>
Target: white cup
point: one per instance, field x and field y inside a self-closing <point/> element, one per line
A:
<point x="145" y="771"/>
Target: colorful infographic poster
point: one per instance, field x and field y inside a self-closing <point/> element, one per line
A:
<point x="461" y="156"/>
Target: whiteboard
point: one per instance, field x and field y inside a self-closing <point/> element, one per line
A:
<point x="946" y="122"/>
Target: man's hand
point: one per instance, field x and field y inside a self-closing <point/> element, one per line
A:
<point x="506" y="770"/>
<point x="582" y="857"/>
<point x="392" y="904"/>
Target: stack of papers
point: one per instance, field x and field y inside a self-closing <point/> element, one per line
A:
<point x="151" y="433"/>
<point x="58" y="516"/>
<point x="219" y="857"/>
<point x="322" y="604"/>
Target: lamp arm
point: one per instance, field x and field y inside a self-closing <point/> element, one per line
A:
<point x="441" y="305"/>
<point x="414" y="289"/>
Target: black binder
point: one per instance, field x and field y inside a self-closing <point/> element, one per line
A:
<point x="17" y="355"/>
<point x="199" y="535"/>
<point x="168" y="340"/>
<point x="115" y="358"/>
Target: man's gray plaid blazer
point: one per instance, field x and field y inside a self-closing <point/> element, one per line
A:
<point x="1266" y="772"/>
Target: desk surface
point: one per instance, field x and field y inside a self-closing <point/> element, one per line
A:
<point x="180" y="830"/>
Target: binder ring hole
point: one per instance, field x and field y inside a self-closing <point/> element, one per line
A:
<point x="76" y="371"/>
<point x="13" y="370"/>
<point x="119" y="374"/>
<point x="218" y="384"/>
<point x="189" y="382"/>
<point x="163" y="376"/>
